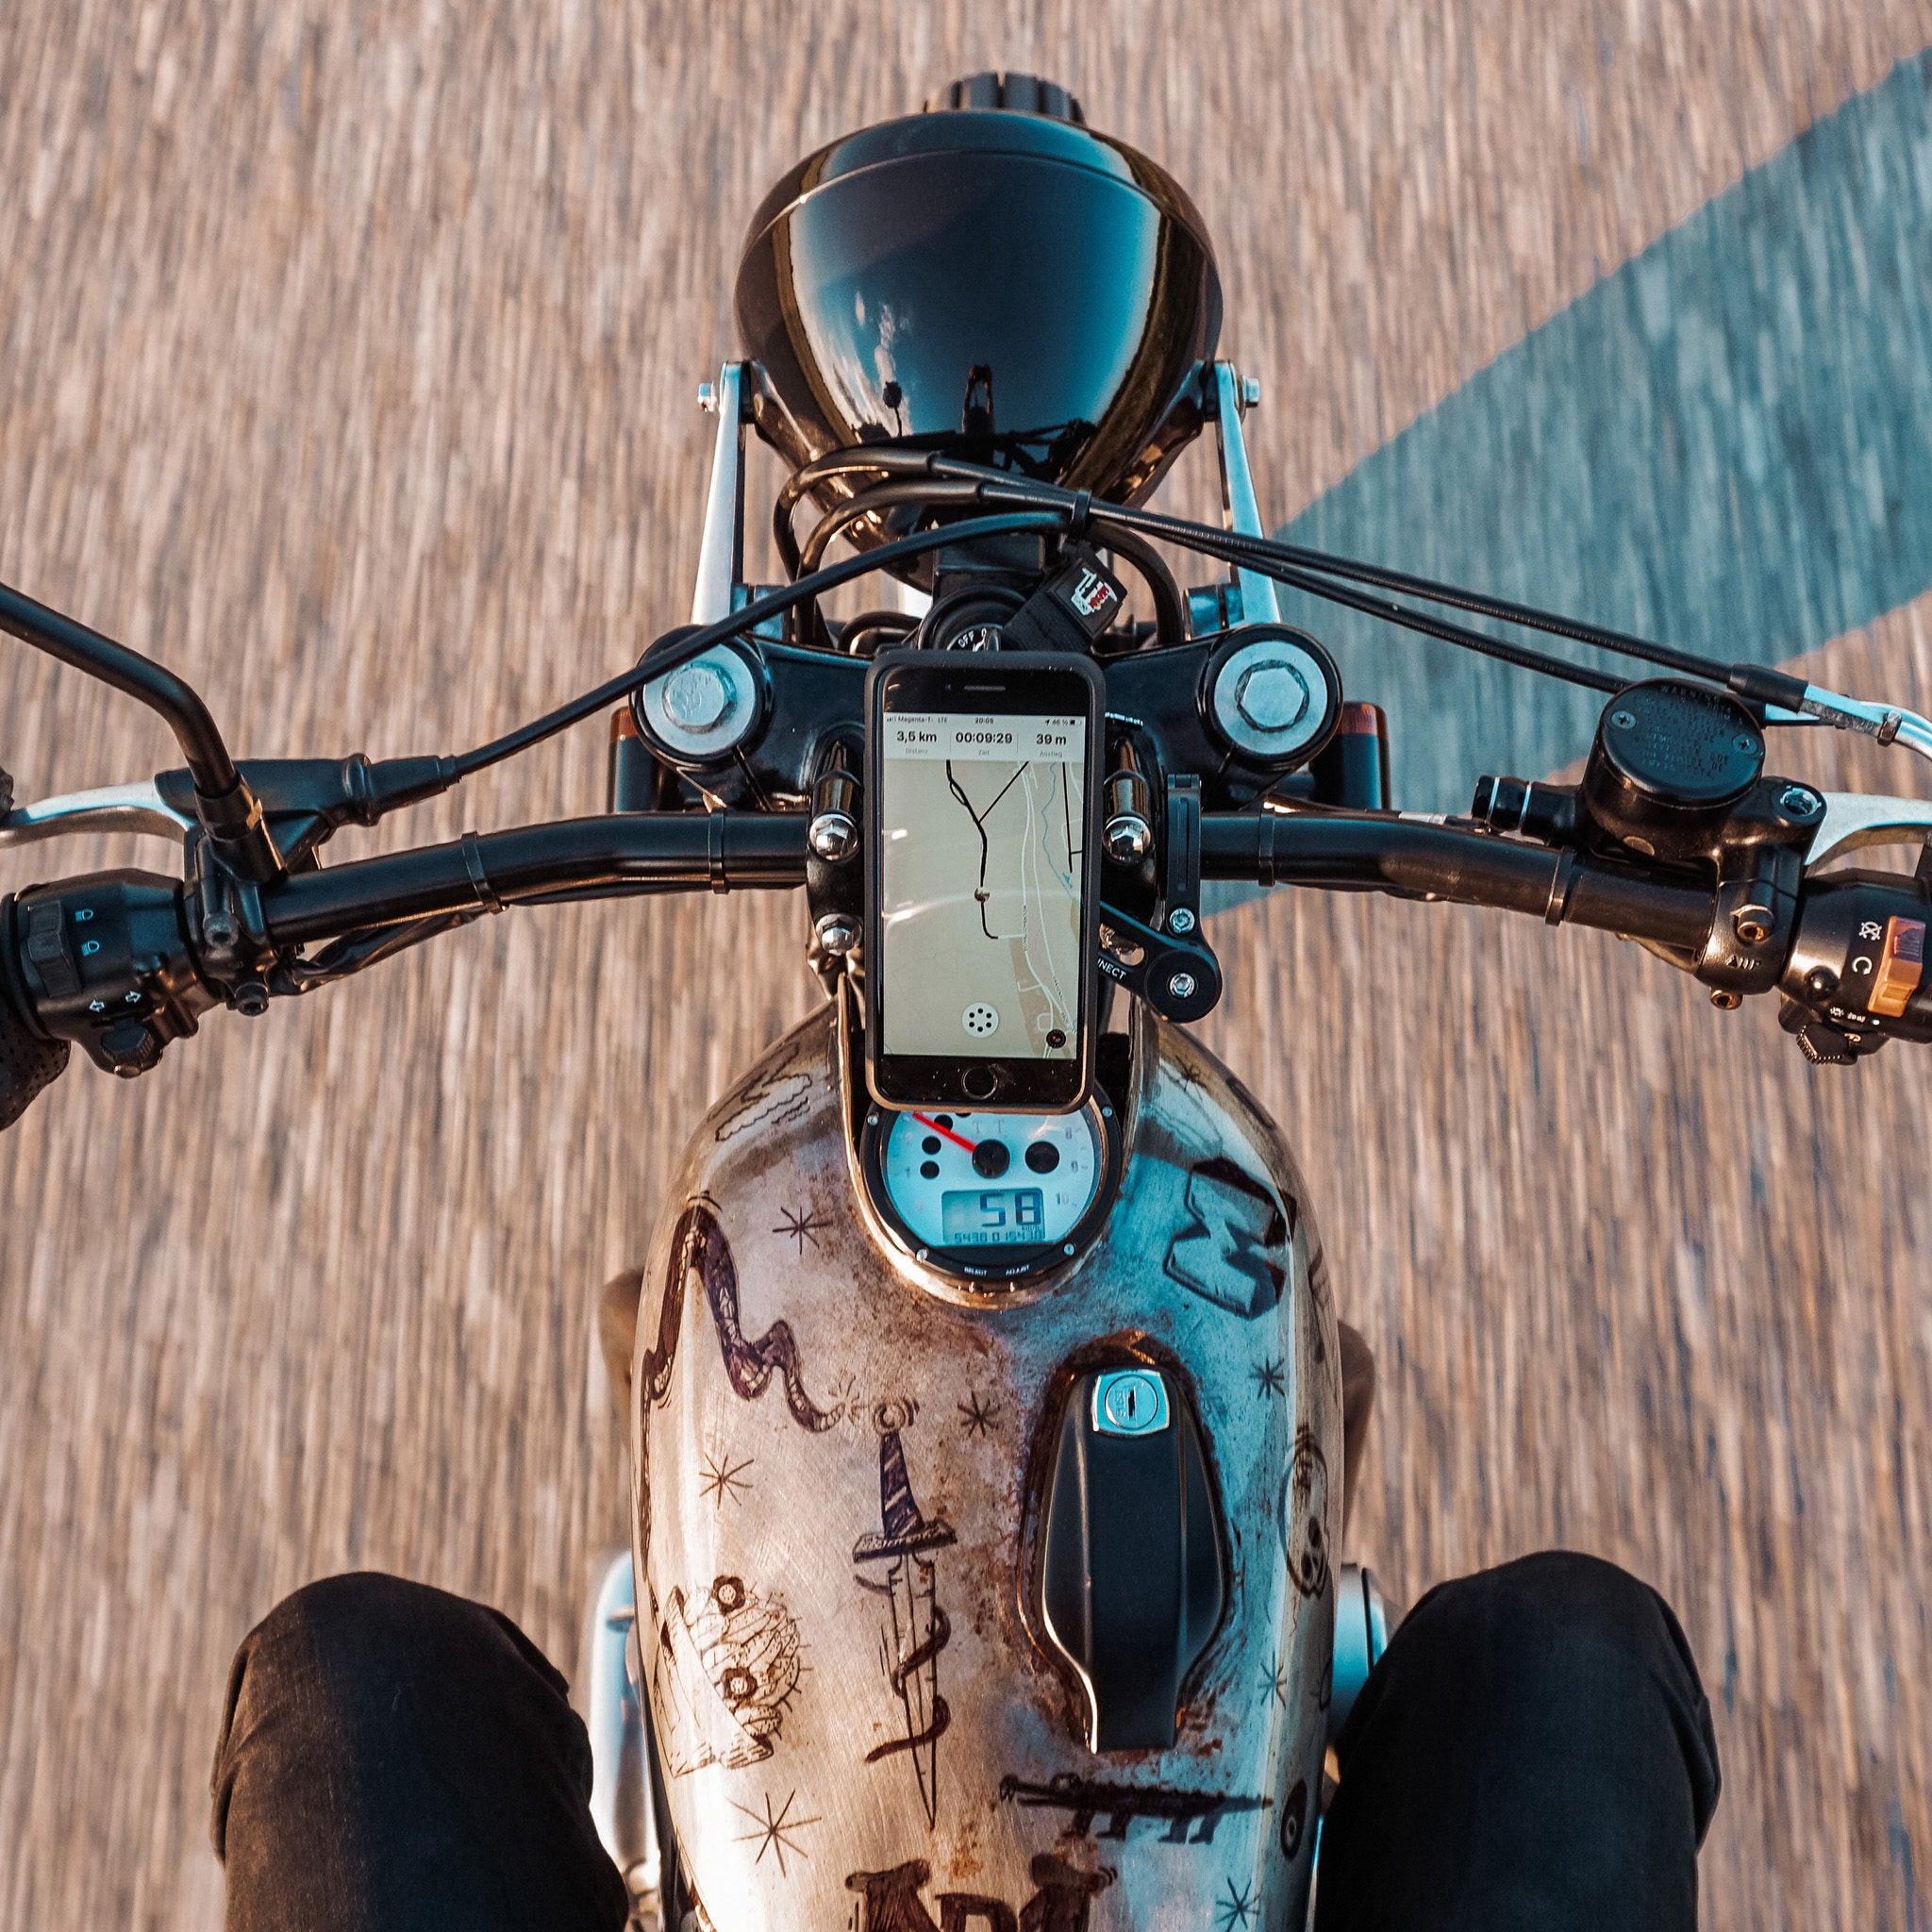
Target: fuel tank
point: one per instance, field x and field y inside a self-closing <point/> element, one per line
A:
<point x="898" y="1540"/>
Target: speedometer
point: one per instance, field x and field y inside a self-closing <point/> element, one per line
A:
<point x="991" y="1194"/>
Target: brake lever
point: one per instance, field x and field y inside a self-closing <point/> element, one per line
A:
<point x="1853" y="820"/>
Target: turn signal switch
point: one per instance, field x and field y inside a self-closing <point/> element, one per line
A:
<point x="105" y="961"/>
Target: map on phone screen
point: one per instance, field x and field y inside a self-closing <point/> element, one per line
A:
<point x="981" y="858"/>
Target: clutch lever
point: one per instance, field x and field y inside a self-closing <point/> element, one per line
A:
<point x="112" y="808"/>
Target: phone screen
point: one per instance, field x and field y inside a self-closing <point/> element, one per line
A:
<point x="982" y="862"/>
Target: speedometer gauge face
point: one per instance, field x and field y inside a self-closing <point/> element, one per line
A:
<point x="977" y="1184"/>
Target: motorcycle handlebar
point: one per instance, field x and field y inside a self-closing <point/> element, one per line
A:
<point x="650" y="851"/>
<point x="1406" y="857"/>
<point x="168" y="967"/>
<point x="637" y="852"/>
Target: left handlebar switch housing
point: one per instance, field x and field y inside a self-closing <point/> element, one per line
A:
<point x="107" y="963"/>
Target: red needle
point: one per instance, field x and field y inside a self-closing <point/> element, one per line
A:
<point x="958" y="1139"/>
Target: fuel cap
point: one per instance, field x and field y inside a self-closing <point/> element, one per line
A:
<point x="1131" y="1577"/>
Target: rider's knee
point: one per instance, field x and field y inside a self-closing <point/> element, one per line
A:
<point x="1560" y="1646"/>
<point x="352" y="1650"/>
<point x="1561" y="1606"/>
<point x="362" y="1615"/>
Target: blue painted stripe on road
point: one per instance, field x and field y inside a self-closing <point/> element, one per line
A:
<point x="1725" y="444"/>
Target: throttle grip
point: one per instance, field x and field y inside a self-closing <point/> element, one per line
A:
<point x="29" y="1060"/>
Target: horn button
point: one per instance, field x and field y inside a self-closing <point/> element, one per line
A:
<point x="1132" y="1577"/>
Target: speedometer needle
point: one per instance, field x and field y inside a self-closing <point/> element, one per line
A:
<point x="958" y="1139"/>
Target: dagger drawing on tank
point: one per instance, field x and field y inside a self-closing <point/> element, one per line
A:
<point x="919" y="1629"/>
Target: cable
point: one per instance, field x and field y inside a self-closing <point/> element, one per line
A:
<point x="886" y="624"/>
<point x="1265" y="563"/>
<point x="669" y="653"/>
<point x="1269" y="557"/>
<point x="1042" y="506"/>
<point x="842" y="462"/>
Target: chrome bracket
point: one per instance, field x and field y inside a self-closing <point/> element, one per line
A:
<point x="1240" y="512"/>
<point x="721" y="552"/>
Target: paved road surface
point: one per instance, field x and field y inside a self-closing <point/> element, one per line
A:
<point x="346" y="362"/>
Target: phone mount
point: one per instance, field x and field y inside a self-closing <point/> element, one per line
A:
<point x="1171" y="966"/>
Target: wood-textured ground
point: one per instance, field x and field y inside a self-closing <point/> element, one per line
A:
<point x="346" y="362"/>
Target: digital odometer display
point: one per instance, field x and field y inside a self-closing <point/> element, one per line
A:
<point x="980" y="1181"/>
<point x="981" y="1217"/>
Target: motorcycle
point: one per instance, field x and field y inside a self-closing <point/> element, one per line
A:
<point x="986" y="1531"/>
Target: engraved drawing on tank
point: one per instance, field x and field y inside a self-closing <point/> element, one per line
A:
<point x="1305" y="1515"/>
<point x="777" y="1091"/>
<point x="1233" y="1250"/>
<point x="775" y="1829"/>
<point x="919" y="1628"/>
<point x="699" y="1248"/>
<point x="977" y="1414"/>
<point x="1062" y="1899"/>
<point x="1188" y="1817"/>
<point x="785" y="1346"/>
<point x="726" y="1669"/>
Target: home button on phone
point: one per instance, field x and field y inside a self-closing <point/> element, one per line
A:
<point x="983" y="1079"/>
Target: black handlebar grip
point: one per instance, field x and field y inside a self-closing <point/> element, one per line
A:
<point x="29" y="1060"/>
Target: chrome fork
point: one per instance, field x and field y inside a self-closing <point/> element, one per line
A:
<point x="613" y="1712"/>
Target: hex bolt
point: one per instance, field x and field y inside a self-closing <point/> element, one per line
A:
<point x="1181" y="920"/>
<point x="1272" y="695"/>
<point x="836" y="934"/>
<point x="251" y="999"/>
<point x="1129" y="838"/>
<point x="1724" y="1000"/>
<point x="1799" y="801"/>
<point x="832" y="835"/>
<point x="1181" y="986"/>
<point x="1752" y="924"/>
<point x="1251" y="392"/>
<point x="695" y="697"/>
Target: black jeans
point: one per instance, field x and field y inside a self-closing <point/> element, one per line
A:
<point x="1533" y="1752"/>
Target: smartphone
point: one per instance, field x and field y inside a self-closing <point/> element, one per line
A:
<point x="981" y="878"/>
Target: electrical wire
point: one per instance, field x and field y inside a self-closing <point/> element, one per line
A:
<point x="669" y="652"/>
<point x="1262" y="554"/>
<point x="1040" y="507"/>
